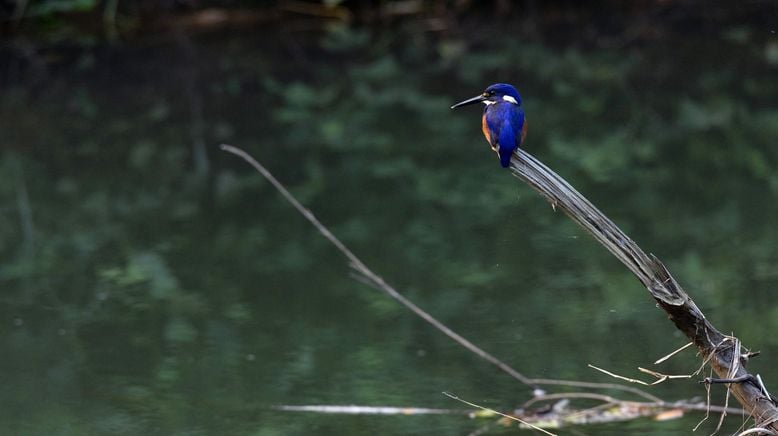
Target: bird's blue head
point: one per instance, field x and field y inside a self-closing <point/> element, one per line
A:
<point x="494" y="94"/>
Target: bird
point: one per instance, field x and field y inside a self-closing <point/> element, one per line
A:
<point x="503" y="122"/>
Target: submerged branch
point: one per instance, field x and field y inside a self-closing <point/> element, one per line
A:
<point x="723" y="352"/>
<point x="368" y="410"/>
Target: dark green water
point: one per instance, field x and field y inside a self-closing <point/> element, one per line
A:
<point x="150" y="288"/>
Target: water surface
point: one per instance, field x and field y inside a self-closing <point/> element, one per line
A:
<point x="156" y="285"/>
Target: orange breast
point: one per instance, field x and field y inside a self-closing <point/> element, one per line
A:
<point x="523" y="131"/>
<point x="485" y="129"/>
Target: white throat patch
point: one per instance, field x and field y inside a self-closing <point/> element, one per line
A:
<point x="509" y="99"/>
<point x="488" y="102"/>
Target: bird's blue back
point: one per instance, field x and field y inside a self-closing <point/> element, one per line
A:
<point x="505" y="122"/>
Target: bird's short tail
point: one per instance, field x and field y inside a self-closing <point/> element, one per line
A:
<point x="505" y="158"/>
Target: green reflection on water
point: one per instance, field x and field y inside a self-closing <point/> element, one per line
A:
<point x="145" y="297"/>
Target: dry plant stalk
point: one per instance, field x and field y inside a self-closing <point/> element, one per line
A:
<point x="724" y="353"/>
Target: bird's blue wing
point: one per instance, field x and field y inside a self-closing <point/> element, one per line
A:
<point x="510" y="135"/>
<point x="507" y="143"/>
<point x="504" y="122"/>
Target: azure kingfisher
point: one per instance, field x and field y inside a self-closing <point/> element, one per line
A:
<point x="503" y="121"/>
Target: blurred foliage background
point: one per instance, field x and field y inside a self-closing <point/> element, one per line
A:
<point x="154" y="285"/>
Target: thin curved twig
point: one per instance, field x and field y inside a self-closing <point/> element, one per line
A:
<point x="374" y="280"/>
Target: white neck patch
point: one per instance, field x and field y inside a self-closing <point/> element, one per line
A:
<point x="509" y="99"/>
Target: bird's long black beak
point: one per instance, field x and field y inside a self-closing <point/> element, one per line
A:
<point x="473" y="100"/>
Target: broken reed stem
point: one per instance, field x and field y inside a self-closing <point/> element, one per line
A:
<point x="724" y="352"/>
